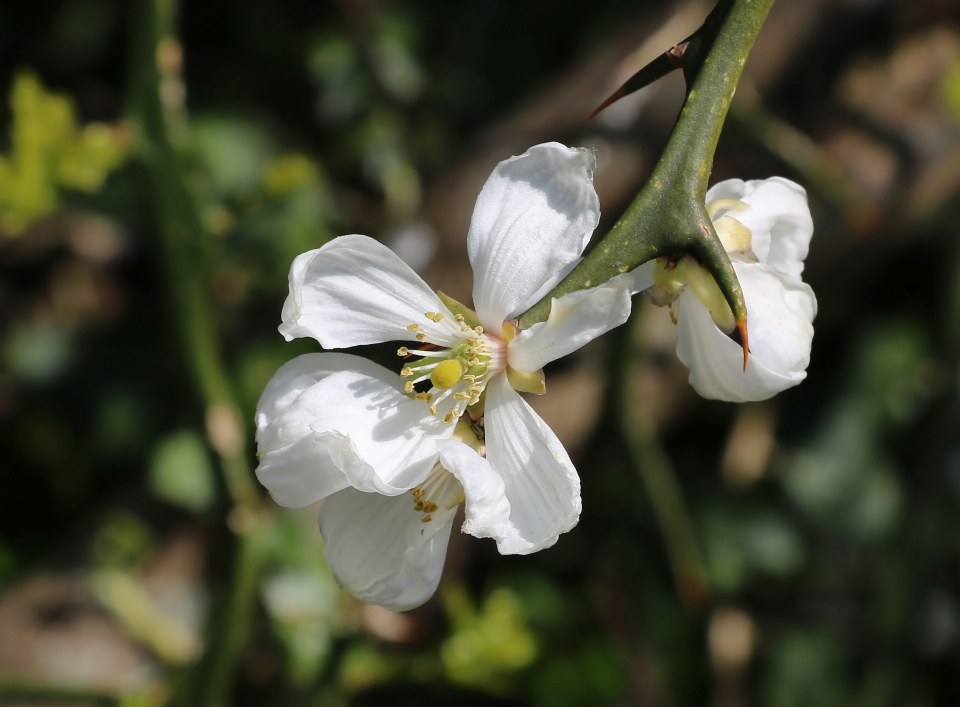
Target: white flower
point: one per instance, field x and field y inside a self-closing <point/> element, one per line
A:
<point x="765" y="226"/>
<point x="395" y="455"/>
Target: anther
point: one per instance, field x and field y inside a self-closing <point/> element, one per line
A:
<point x="421" y="337"/>
<point x="406" y="371"/>
<point x="403" y="351"/>
<point x="413" y="327"/>
<point x="408" y="387"/>
<point x="434" y="316"/>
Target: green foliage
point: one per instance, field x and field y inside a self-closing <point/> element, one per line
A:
<point x="50" y="152"/>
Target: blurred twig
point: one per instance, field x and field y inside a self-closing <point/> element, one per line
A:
<point x="155" y="104"/>
<point x="659" y="478"/>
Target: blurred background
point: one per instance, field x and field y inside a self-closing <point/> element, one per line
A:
<point x="800" y="551"/>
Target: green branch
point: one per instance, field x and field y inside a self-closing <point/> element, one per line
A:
<point x="668" y="217"/>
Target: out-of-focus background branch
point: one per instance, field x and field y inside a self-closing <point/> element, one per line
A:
<point x="801" y="551"/>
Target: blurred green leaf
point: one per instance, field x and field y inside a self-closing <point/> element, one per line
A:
<point x="488" y="645"/>
<point x="805" y="670"/>
<point x="121" y="541"/>
<point x="180" y="472"/>
<point x="50" y="151"/>
<point x="741" y="544"/>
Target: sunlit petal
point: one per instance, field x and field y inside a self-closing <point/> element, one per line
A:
<point x="531" y="222"/>
<point x="540" y="482"/>
<point x="355" y="291"/>
<point x="381" y="551"/>
<point x="487" y="510"/>
<point x="575" y="320"/>
<point x="780" y="313"/>
<point x="330" y="420"/>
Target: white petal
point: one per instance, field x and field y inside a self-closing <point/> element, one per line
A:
<point x="780" y="312"/>
<point x="575" y="320"/>
<point x="380" y="550"/>
<point x="327" y="421"/>
<point x="778" y="219"/>
<point x="487" y="510"/>
<point x="539" y="479"/>
<point x="531" y="222"/>
<point x="355" y="291"/>
<point x="643" y="276"/>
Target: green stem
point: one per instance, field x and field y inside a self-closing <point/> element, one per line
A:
<point x="668" y="217"/>
<point x="185" y="245"/>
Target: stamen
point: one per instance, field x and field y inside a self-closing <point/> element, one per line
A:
<point x="440" y="490"/>
<point x="435" y="317"/>
<point x="403" y="351"/>
<point x="413" y="328"/>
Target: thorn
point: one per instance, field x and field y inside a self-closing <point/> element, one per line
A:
<point x="613" y="98"/>
<point x="742" y="327"/>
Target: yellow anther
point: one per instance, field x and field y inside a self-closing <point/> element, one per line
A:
<point x="421" y="337"/>
<point x="403" y="351"/>
<point x="408" y="387"/>
<point x="406" y="371"/>
<point x="434" y="316"/>
<point x="446" y="374"/>
<point x="459" y="318"/>
<point x="432" y="409"/>
<point x="450" y="416"/>
<point x="478" y="329"/>
<point x="426" y="519"/>
<point x="413" y="327"/>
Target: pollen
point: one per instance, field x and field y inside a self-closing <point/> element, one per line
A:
<point x="434" y="316"/>
<point x="447" y="374"/>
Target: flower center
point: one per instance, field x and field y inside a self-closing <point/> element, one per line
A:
<point x="457" y="368"/>
<point x="440" y="490"/>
